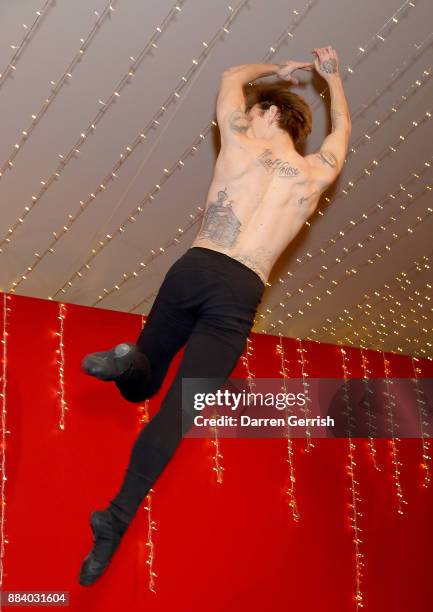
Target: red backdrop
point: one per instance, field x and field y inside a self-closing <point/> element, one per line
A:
<point x="217" y="547"/>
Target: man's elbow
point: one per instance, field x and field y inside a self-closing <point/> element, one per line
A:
<point x="232" y="71"/>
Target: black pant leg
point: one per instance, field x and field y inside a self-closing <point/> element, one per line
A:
<point x="212" y="351"/>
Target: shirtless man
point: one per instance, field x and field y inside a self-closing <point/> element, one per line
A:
<point x="262" y="193"/>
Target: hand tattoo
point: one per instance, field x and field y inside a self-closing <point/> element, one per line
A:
<point x="329" y="66"/>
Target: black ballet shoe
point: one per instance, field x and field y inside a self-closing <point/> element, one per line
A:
<point x="110" y="365"/>
<point x="106" y="539"/>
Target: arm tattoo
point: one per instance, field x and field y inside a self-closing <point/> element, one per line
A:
<point x="338" y="117"/>
<point x="302" y="200"/>
<point x="329" y="66"/>
<point x="284" y="169"/>
<point x="220" y="224"/>
<point x="238" y="121"/>
<point x="321" y="186"/>
<point x="327" y="157"/>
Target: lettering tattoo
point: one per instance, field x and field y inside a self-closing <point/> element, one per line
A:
<point x="327" y="157"/>
<point x="220" y="224"/>
<point x="329" y="66"/>
<point x="238" y="121"/>
<point x="282" y="168"/>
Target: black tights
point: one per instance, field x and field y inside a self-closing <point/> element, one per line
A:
<point x="208" y="301"/>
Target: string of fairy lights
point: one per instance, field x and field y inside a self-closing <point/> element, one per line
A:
<point x="392" y="305"/>
<point x="291" y="489"/>
<point x="151" y="523"/>
<point x="148" y="48"/>
<point x="394" y="441"/>
<point x="372" y="43"/>
<point x="61" y="363"/>
<point x="3" y="394"/>
<point x="421" y="402"/>
<point x="306" y="386"/>
<point x="143" y="418"/>
<point x="152" y="124"/>
<point x="378" y="321"/>
<point x="401" y="279"/>
<point x="371" y="416"/>
<point x="368" y="308"/>
<point x="217" y="467"/>
<point x="354" y="486"/>
<point x="55" y="90"/>
<point x="19" y="49"/>
<point x="245" y="359"/>
<point x="125" y="276"/>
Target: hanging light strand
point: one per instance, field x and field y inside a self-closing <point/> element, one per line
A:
<point x="355" y="514"/>
<point x="291" y="489"/>
<point x="306" y="385"/>
<point x="143" y="418"/>
<point x="394" y="441"/>
<point x="371" y="416"/>
<point x="3" y="539"/>
<point x="423" y="413"/>
<point x="61" y="363"/>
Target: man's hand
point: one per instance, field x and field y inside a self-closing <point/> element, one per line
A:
<point x="326" y="62"/>
<point x="285" y="70"/>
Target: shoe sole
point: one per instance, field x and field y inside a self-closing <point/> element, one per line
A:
<point x="93" y="365"/>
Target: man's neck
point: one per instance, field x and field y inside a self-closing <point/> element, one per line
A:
<point x="281" y="140"/>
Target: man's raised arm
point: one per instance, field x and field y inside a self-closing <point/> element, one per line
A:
<point x="247" y="73"/>
<point x="329" y="161"/>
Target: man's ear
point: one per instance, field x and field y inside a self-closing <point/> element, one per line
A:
<point x="273" y="113"/>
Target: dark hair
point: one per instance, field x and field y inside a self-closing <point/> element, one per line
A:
<point x="295" y="115"/>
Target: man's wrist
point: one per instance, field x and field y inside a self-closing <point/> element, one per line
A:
<point x="334" y="78"/>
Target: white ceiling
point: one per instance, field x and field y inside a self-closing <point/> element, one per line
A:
<point x="358" y="274"/>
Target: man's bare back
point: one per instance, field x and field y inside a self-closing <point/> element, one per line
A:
<point x="263" y="191"/>
<point x="258" y="201"/>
